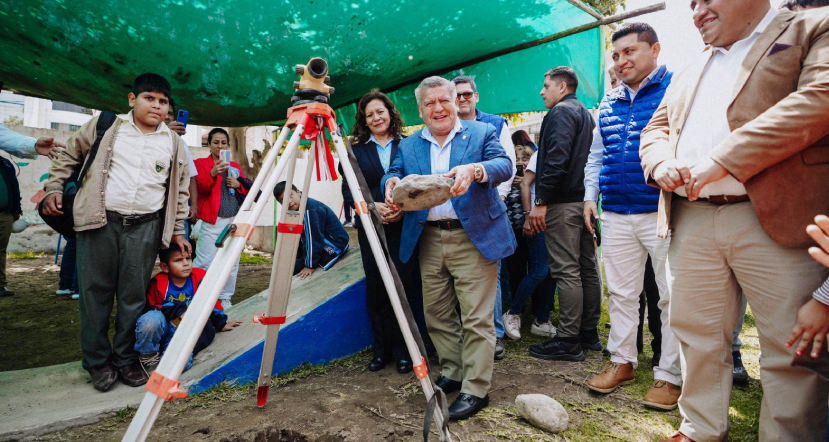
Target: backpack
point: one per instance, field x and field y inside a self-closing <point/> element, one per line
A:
<point x="65" y="224"/>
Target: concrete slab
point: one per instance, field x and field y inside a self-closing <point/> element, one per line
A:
<point x="326" y="320"/>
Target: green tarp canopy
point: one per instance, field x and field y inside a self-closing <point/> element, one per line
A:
<point x="231" y="62"/>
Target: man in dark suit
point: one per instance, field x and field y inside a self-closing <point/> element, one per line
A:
<point x="566" y="136"/>
<point x="740" y="149"/>
<point x="460" y="241"/>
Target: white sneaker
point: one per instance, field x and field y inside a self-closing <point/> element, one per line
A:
<point x="544" y="329"/>
<point x="63" y="292"/>
<point x="512" y="326"/>
<point x="226" y="304"/>
<point x="76" y="296"/>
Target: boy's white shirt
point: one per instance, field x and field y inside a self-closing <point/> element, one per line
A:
<point x="139" y="168"/>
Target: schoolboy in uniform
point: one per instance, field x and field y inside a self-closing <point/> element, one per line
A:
<point x="323" y="241"/>
<point x="170" y="294"/>
<point x="133" y="201"/>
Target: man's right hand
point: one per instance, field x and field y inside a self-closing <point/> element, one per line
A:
<point x="671" y="174"/>
<point x="591" y="210"/>
<point x="390" y="183"/>
<point x="177" y="127"/>
<point x="536" y="218"/>
<point x="53" y="204"/>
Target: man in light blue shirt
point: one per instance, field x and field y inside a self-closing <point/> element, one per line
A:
<point x="28" y="147"/>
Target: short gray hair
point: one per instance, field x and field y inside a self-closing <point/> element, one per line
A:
<point x="431" y="82"/>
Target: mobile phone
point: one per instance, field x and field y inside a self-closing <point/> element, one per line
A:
<point x="519" y="170"/>
<point x="182" y="117"/>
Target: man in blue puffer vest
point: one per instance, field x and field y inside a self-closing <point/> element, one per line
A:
<point x="629" y="215"/>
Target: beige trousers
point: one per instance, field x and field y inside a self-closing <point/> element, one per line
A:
<point x="454" y="272"/>
<point x="715" y="250"/>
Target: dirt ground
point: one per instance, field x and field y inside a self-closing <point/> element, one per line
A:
<point x="344" y="402"/>
<point x="40" y="328"/>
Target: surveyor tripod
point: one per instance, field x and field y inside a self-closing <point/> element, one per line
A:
<point x="307" y="119"/>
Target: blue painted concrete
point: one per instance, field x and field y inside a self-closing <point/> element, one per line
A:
<point x="340" y="327"/>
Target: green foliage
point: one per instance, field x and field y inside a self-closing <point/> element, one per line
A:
<point x="25" y="255"/>
<point x="606" y="7"/>
<point x="14" y="120"/>
<point x="247" y="258"/>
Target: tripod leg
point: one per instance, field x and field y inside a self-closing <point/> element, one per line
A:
<point x="388" y="281"/>
<point x="279" y="289"/>
<point x="163" y="384"/>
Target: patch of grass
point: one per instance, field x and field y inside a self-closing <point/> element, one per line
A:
<point x="247" y="258"/>
<point x="25" y="255"/>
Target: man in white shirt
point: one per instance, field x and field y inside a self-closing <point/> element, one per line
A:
<point x="467" y="110"/>
<point x="737" y="148"/>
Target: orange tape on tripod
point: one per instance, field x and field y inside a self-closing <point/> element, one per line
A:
<point x="296" y="229"/>
<point x="164" y="387"/>
<point x="361" y="207"/>
<point x="420" y="370"/>
<point x="245" y="230"/>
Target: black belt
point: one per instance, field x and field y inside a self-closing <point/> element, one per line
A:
<point x="445" y="224"/>
<point x="129" y="220"/>
<point x="722" y="200"/>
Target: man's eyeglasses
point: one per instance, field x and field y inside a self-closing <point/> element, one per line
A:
<point x="465" y="95"/>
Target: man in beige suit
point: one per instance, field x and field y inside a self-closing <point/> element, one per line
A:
<point x="740" y="149"/>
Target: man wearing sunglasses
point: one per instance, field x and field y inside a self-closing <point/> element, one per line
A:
<point x="467" y="110"/>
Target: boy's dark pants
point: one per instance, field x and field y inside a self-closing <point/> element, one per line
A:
<point x="6" y="220"/>
<point x="114" y="259"/>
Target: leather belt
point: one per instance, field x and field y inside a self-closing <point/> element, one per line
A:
<point x="445" y="224"/>
<point x="129" y="220"/>
<point x="722" y="200"/>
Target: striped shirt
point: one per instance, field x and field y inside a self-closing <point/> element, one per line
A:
<point x="822" y="293"/>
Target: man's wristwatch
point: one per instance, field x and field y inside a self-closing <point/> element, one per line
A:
<point x="526" y="212"/>
<point x="540" y="202"/>
<point x="479" y="172"/>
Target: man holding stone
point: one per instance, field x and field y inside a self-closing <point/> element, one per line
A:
<point x="460" y="241"/>
<point x="467" y="110"/>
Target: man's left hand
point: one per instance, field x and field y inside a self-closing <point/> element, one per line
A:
<point x="48" y="147"/>
<point x="177" y="127"/>
<point x="812" y="325"/>
<point x="183" y="244"/>
<point x="231" y="325"/>
<point x="702" y="174"/>
<point x="464" y="176"/>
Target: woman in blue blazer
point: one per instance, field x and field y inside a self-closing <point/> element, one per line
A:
<point x="376" y="135"/>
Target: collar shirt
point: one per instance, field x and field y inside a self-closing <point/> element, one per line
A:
<point x="440" y="155"/>
<point x="383" y="151"/>
<point x="645" y="81"/>
<point x="139" y="169"/>
<point x="707" y="122"/>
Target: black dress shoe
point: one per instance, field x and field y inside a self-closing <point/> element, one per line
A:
<point x="102" y="377"/>
<point x="377" y="364"/>
<point x="448" y="385"/>
<point x="466" y="405"/>
<point x="404" y="365"/>
<point x="4" y="291"/>
<point x="132" y="375"/>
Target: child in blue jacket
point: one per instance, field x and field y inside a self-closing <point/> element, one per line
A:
<point x="323" y="240"/>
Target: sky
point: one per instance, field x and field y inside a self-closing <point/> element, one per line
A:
<point x="675" y="28"/>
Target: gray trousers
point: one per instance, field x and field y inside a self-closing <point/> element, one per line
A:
<point x="573" y="267"/>
<point x="114" y="261"/>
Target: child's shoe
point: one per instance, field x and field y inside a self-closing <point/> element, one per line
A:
<point x="543" y="329"/>
<point x="226" y="304"/>
<point x="149" y="362"/>
<point x="63" y="292"/>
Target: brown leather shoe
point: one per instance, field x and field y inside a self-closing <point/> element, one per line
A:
<point x="102" y="377"/>
<point x="678" y="437"/>
<point x="613" y="375"/>
<point x="662" y="396"/>
<point x="132" y="375"/>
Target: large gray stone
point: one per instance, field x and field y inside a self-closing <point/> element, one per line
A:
<point x="420" y="192"/>
<point x="543" y="412"/>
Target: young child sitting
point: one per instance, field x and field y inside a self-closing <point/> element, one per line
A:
<point x="170" y="294"/>
<point x="323" y="238"/>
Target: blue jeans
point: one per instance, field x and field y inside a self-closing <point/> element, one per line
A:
<point x="537" y="272"/>
<point x="68" y="276"/>
<point x="153" y="333"/>
<point x="499" y="322"/>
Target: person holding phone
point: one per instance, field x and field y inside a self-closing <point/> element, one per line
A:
<point x="217" y="206"/>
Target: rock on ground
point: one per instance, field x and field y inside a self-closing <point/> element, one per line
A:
<point x="543" y="412"/>
<point x="420" y="192"/>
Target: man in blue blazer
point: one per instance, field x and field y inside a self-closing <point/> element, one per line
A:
<point x="460" y="241"/>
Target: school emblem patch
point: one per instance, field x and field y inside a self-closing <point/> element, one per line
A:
<point x="160" y="166"/>
<point x="180" y="163"/>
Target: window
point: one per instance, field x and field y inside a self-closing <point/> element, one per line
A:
<point x="59" y="105"/>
